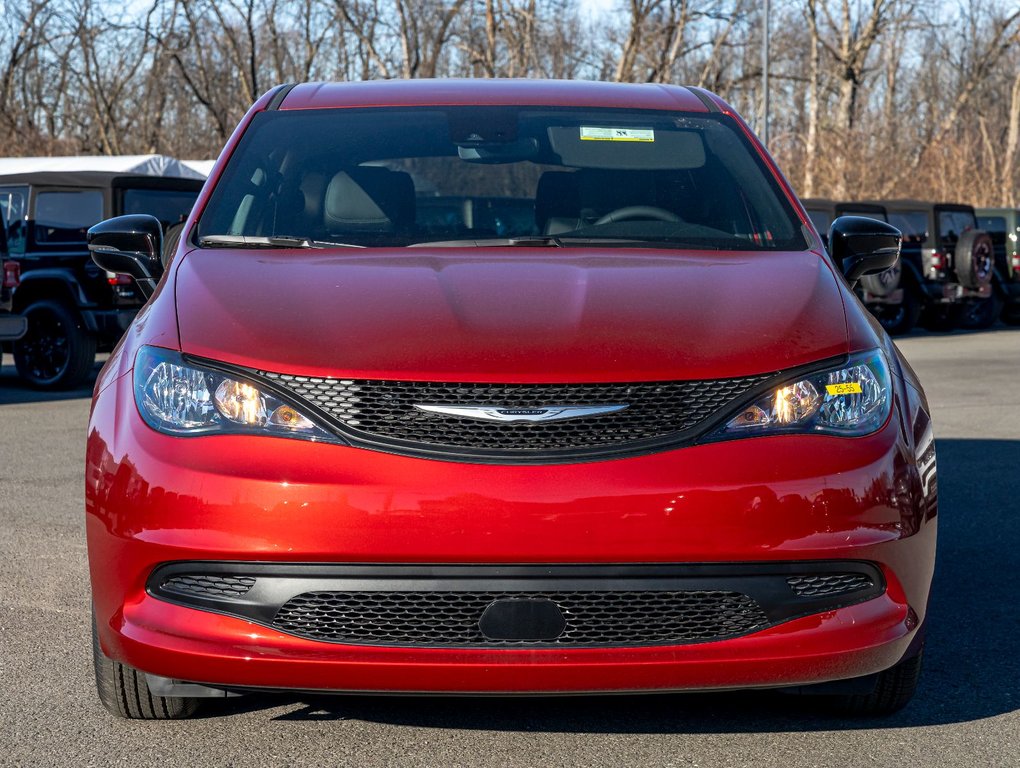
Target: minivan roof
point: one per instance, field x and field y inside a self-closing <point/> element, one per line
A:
<point x="495" y="92"/>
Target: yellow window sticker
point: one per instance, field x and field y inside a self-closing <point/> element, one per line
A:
<point x="589" y="133"/>
<point x="846" y="388"/>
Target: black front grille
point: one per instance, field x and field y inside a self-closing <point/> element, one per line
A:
<point x="818" y="584"/>
<point x="208" y="585"/>
<point x="631" y="618"/>
<point x="442" y="605"/>
<point x="385" y="410"/>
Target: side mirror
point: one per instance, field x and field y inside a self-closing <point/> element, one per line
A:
<point x="129" y="245"/>
<point x="863" y="246"/>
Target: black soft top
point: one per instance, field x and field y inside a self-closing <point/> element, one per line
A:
<point x="900" y="204"/>
<point x="102" y="179"/>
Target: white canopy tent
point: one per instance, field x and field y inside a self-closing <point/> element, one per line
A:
<point x="203" y="167"/>
<point x="146" y="165"/>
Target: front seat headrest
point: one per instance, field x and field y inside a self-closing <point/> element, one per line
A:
<point x="557" y="202"/>
<point x="369" y="199"/>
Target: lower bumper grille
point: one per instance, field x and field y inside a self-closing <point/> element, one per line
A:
<point x="829" y="583"/>
<point x="209" y="585"/>
<point x="452" y="618"/>
<point x="493" y="606"/>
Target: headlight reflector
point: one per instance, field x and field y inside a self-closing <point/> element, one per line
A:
<point x="178" y="397"/>
<point x="854" y="399"/>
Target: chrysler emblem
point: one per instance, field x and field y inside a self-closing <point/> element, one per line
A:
<point x="545" y="413"/>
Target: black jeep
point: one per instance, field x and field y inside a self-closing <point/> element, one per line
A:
<point x="1003" y="224"/>
<point x="947" y="261"/>
<point x="73" y="308"/>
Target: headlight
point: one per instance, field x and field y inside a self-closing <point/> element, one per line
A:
<point x="852" y="400"/>
<point x="181" y="398"/>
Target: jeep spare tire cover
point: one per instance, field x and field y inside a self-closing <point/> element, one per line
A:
<point x="884" y="283"/>
<point x="974" y="258"/>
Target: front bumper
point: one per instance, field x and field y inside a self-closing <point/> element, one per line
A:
<point x="153" y="499"/>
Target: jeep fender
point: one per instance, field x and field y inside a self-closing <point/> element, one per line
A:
<point x="50" y="284"/>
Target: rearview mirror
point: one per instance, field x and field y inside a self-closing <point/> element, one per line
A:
<point x="129" y="245"/>
<point x="862" y="246"/>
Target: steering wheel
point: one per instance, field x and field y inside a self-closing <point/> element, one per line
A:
<point x="632" y="212"/>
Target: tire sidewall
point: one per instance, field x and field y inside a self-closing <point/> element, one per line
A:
<point x="81" y="347"/>
<point x="974" y="259"/>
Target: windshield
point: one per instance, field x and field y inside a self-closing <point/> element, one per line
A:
<point x="457" y="175"/>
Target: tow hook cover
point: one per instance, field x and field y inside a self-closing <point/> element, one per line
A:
<point x="522" y="619"/>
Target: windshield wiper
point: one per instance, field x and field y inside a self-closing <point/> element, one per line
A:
<point x="524" y="241"/>
<point x="274" y="241"/>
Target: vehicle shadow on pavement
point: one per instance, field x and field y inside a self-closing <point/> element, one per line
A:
<point x="971" y="660"/>
<point x="14" y="390"/>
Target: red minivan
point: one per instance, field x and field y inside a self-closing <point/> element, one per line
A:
<point x="640" y="437"/>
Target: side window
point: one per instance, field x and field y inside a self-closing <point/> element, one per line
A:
<point x="913" y="225"/>
<point x="877" y="215"/>
<point x="995" y="226"/>
<point x="14" y="207"/>
<point x="63" y="217"/>
<point x="170" y="206"/>
<point x="952" y="224"/>
<point x="821" y="220"/>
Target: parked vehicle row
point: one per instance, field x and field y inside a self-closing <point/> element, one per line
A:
<point x="959" y="266"/>
<point x="61" y="308"/>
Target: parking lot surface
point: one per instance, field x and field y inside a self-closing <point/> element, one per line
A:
<point x="965" y="714"/>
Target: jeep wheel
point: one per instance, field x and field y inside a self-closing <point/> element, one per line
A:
<point x="893" y="690"/>
<point x="56" y="352"/>
<point x="898" y="319"/>
<point x="124" y="692"/>
<point x="942" y="318"/>
<point x="974" y="258"/>
<point x="982" y="314"/>
<point x="1011" y="314"/>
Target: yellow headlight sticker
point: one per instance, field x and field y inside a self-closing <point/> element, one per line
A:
<point x="589" y="133"/>
<point x="845" y="388"/>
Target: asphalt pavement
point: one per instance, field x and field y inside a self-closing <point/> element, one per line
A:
<point x="965" y="714"/>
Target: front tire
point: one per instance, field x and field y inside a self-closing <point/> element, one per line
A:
<point x="982" y="314"/>
<point x="1011" y="313"/>
<point x="124" y="692"/>
<point x="56" y="352"/>
<point x="893" y="691"/>
<point x="942" y="318"/>
<point x="900" y="319"/>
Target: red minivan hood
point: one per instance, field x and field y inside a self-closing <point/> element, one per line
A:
<point x="510" y="314"/>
